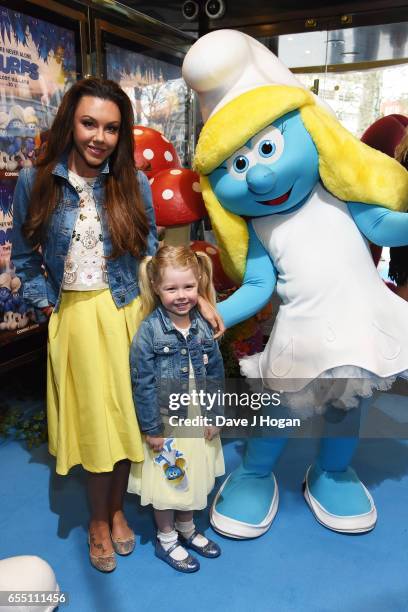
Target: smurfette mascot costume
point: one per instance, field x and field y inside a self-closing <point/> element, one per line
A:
<point x="293" y="198"/>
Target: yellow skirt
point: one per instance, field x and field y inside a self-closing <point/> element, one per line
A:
<point x="91" y="415"/>
<point x="200" y="462"/>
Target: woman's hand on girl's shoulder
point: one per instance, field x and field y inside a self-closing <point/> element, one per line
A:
<point x="155" y="443"/>
<point x="210" y="431"/>
<point x="211" y="315"/>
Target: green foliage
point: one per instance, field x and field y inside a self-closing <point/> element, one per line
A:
<point x="231" y="365"/>
<point x="21" y="425"/>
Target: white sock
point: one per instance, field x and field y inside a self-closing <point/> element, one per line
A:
<point x="187" y="528"/>
<point x="167" y="539"/>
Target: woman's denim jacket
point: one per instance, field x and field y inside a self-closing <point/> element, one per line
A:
<point x="41" y="289"/>
<point x="159" y="361"/>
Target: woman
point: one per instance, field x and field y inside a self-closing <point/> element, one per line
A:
<point x="92" y="217"/>
<point x="86" y="216"/>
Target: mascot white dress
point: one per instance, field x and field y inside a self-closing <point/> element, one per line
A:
<point x="293" y="198"/>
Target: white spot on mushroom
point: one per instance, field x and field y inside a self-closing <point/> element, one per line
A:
<point x="137" y="132"/>
<point x="164" y="138"/>
<point x="210" y="251"/>
<point x="168" y="156"/>
<point x="174" y="172"/>
<point x="151" y="181"/>
<point x="167" y="194"/>
<point x="196" y="187"/>
<point x="148" y="154"/>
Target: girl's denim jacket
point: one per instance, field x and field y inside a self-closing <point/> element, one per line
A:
<point x="159" y="361"/>
<point x="41" y="289"/>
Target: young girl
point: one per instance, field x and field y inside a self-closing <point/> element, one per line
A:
<point x="173" y="351"/>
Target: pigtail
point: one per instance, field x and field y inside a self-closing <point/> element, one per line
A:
<point x="205" y="283"/>
<point x="148" y="297"/>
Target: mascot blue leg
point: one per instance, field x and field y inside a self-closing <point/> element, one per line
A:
<point x="247" y="502"/>
<point x="336" y="496"/>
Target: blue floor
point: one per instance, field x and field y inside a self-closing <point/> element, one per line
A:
<point x="297" y="566"/>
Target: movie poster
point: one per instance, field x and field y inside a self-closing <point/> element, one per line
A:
<point x="158" y="93"/>
<point x="37" y="65"/>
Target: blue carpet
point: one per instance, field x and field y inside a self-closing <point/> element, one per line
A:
<point x="297" y="566"/>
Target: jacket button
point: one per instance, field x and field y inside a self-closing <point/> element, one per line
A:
<point x="183" y="351"/>
<point x="184" y="369"/>
<point x="166" y="349"/>
<point x="122" y="299"/>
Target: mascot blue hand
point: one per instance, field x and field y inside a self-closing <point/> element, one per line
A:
<point x="289" y="193"/>
<point x="257" y="287"/>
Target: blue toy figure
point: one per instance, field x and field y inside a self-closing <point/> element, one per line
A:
<point x="293" y="197"/>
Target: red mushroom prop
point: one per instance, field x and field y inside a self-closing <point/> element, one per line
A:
<point x="221" y="281"/>
<point x="152" y="151"/>
<point x="177" y="203"/>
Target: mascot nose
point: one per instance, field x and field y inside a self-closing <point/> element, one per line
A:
<point x="260" y="179"/>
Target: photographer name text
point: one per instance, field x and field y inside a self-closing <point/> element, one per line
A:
<point x="222" y="421"/>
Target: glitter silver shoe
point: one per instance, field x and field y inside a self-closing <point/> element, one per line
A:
<point x="187" y="565"/>
<point x="124" y="547"/>
<point x="103" y="563"/>
<point x="210" y="550"/>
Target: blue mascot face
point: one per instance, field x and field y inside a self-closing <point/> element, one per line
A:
<point x="15" y="128"/>
<point x="173" y="472"/>
<point x="272" y="173"/>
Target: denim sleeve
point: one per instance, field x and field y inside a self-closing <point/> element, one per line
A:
<point x="257" y="287"/>
<point x="144" y="381"/>
<point x="27" y="261"/>
<point x="380" y="225"/>
<point x="146" y="193"/>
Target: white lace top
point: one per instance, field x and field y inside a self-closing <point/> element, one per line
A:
<point x="85" y="266"/>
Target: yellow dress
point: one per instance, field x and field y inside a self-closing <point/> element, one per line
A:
<point x="185" y="486"/>
<point x="91" y="415"/>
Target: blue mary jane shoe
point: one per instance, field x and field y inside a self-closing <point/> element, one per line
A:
<point x="210" y="550"/>
<point x="187" y="565"/>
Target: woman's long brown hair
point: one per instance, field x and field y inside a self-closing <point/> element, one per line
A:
<point x="127" y="221"/>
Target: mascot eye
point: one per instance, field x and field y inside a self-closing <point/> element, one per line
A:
<point x="267" y="148"/>
<point x="240" y="163"/>
<point x="269" y="145"/>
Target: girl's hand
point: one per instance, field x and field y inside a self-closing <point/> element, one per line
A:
<point x="155" y="443"/>
<point x="47" y="310"/>
<point x="209" y="313"/>
<point x="211" y="431"/>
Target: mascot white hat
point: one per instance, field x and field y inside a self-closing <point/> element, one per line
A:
<point x="225" y="64"/>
